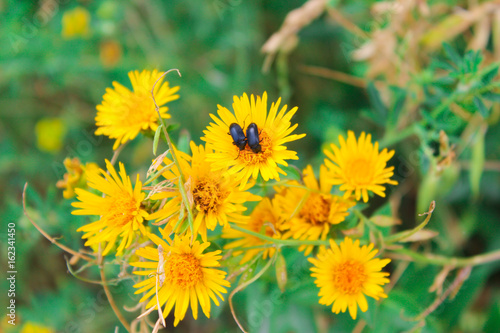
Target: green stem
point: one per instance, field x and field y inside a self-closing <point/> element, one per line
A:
<point x="433" y="259"/>
<point x="174" y="156"/>
<point x="455" y="95"/>
<point x="158" y="174"/>
<point x="247" y="283"/>
<point x="393" y="138"/>
<point x="401" y="236"/>
<point x="282" y="242"/>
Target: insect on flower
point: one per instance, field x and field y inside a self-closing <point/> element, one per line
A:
<point x="253" y="138"/>
<point x="239" y="139"/>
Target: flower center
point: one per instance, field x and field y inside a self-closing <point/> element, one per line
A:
<point x="248" y="157"/>
<point x="349" y="277"/>
<point x="360" y="171"/>
<point x="122" y="210"/>
<point x="208" y="195"/>
<point x="316" y="209"/>
<point x="183" y="270"/>
<point x="137" y="109"/>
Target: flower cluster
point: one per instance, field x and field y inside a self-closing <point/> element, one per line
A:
<point x="211" y="193"/>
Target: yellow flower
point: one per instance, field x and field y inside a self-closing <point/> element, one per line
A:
<point x="75" y="177"/>
<point x="318" y="211"/>
<point x="346" y="274"/>
<point x="76" y="23"/>
<point x="30" y="327"/>
<point x="120" y="210"/>
<point x="124" y="113"/>
<point x="274" y="131"/>
<point x="359" y="167"/>
<point x="216" y="195"/>
<point x="180" y="274"/>
<point x="264" y="219"/>
<point x="50" y="134"/>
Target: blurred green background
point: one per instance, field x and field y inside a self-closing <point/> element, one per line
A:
<point x="52" y="77"/>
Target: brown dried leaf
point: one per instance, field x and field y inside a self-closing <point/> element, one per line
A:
<point x="384" y="221"/>
<point x="286" y="38"/>
<point x="156" y="163"/>
<point x="421" y="235"/>
<point x="437" y="285"/>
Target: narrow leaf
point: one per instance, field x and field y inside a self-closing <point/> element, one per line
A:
<point x="491" y="96"/>
<point x="156" y="139"/>
<point x="405" y="234"/>
<point x="452" y="54"/>
<point x="376" y="100"/>
<point x="398" y="106"/>
<point x="477" y="163"/>
<point x="483" y="110"/>
<point x="490" y="75"/>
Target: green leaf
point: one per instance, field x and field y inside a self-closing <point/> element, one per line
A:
<point x="483" y="110"/>
<point x="443" y="65"/>
<point x="173" y="127"/>
<point x="156" y="139"/>
<point x="477" y="163"/>
<point x="398" y="106"/>
<point x="376" y="100"/>
<point x="452" y="54"/>
<point x="490" y="75"/>
<point x="444" y="81"/>
<point x="491" y="96"/>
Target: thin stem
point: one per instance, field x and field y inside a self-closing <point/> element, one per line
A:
<point x="334" y="75"/>
<point x="286" y="183"/>
<point x="247" y="283"/>
<point x="116" y="153"/>
<point x="172" y="151"/>
<point x="110" y="297"/>
<point x="111" y="301"/>
<point x="46" y="235"/>
<point x="282" y="242"/>
<point x="455" y="95"/>
<point x="346" y="24"/>
<point x="393" y="138"/>
<point x="401" y="236"/>
<point x="462" y="275"/>
<point x="433" y="259"/>
<point x="158" y="174"/>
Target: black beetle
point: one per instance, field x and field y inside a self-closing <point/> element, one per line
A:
<point x="253" y="138"/>
<point x="239" y="139"/>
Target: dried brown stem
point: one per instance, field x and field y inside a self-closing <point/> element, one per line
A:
<point x="334" y="75"/>
<point x="109" y="296"/>
<point x="47" y="236"/>
<point x="462" y="275"/>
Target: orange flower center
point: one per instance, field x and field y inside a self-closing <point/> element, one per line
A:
<point x="360" y="171"/>
<point x="248" y="157"/>
<point x="316" y="209"/>
<point x="349" y="277"/>
<point x="183" y="270"/>
<point x="208" y="195"/>
<point x="122" y="210"/>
